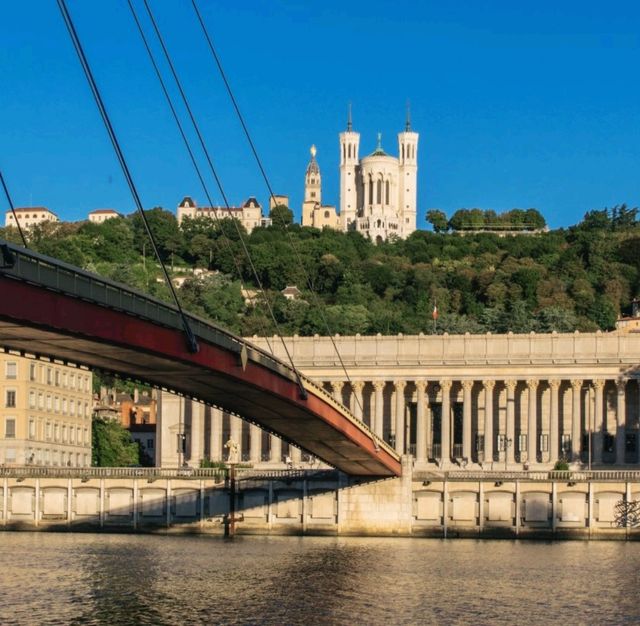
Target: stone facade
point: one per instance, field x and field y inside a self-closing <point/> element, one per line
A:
<point x="29" y="217"/>
<point x="45" y="413"/>
<point x="510" y="401"/>
<point x="249" y="214"/>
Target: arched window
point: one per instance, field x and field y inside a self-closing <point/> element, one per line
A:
<point x="326" y="215"/>
<point x="379" y="191"/>
<point x="370" y="191"/>
<point x="386" y="192"/>
<point x="344" y="152"/>
<point x="349" y="150"/>
<point x="403" y="152"/>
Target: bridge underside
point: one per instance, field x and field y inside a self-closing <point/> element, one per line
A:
<point x="42" y="322"/>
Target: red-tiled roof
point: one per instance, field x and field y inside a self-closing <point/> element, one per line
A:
<point x="103" y="211"/>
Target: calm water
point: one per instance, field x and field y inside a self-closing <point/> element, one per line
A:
<point x="127" y="579"/>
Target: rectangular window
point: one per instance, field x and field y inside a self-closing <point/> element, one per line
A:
<point x="11" y="370"/>
<point x="149" y="444"/>
<point x="566" y="445"/>
<point x="57" y="378"/>
<point x="32" y="372"/>
<point x="64" y="406"/>
<point x="10" y="399"/>
<point x="49" y="375"/>
<point x="64" y="379"/>
<point x="72" y="407"/>
<point x="49" y="403"/>
<point x="72" y="381"/>
<point x="522" y="443"/>
<point x="72" y="434"/>
<point x="56" y="404"/>
<point x="86" y="436"/>
<point x="32" y="399"/>
<point x="544" y="443"/>
<point x="10" y="428"/>
<point x="56" y="432"/>
<point x="10" y="455"/>
<point x="41" y="401"/>
<point x="64" y="434"/>
<point x="79" y="435"/>
<point x="32" y="428"/>
<point x="48" y="431"/>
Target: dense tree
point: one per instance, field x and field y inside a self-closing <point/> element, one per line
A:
<point x="111" y="445"/>
<point x="281" y="216"/>
<point x="437" y="219"/>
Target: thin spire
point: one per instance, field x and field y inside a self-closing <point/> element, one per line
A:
<point x="379" y="146"/>
<point x="349" y="122"/>
<point x="407" y="126"/>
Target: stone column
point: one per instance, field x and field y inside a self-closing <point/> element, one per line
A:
<point x="467" y="386"/>
<point x="400" y="414"/>
<point x="276" y="450"/>
<point x="576" y="386"/>
<point x="235" y="424"/>
<point x="421" y="422"/>
<point x="295" y="454"/>
<point x="510" y="442"/>
<point x="255" y="435"/>
<point x="621" y="419"/>
<point x="336" y="390"/>
<point x="378" y="417"/>
<point x="216" y="434"/>
<point x="357" y="386"/>
<point x="445" y="426"/>
<point x="532" y="425"/>
<point x="554" y="422"/>
<point x="598" y="386"/>
<point x="197" y="433"/>
<point x="488" y="420"/>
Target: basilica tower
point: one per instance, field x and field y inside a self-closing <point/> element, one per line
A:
<point x="349" y="172"/>
<point x="408" y="175"/>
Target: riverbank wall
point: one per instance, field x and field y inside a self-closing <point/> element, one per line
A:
<point x="540" y="505"/>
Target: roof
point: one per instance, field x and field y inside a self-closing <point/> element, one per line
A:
<point x="379" y="151"/>
<point x="187" y="202"/>
<point x="101" y="211"/>
<point x="251" y="202"/>
<point x="291" y="289"/>
<point x="31" y="209"/>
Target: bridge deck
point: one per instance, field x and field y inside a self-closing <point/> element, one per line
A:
<point x="49" y="308"/>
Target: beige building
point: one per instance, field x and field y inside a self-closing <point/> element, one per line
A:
<point x="378" y="193"/>
<point x="28" y="217"/>
<point x="462" y="401"/>
<point x="45" y="413"/>
<point x="101" y="215"/>
<point x="278" y="200"/>
<point x="249" y="214"/>
<point x="314" y="213"/>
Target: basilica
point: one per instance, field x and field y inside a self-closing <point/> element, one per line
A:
<point x="378" y="193"/>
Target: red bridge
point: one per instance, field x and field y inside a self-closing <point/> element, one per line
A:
<point x="51" y="309"/>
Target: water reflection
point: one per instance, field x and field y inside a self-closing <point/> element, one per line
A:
<point x="127" y="579"/>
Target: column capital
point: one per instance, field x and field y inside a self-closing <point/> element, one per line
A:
<point x="489" y="384"/>
<point x="467" y="384"/>
<point x="598" y="384"/>
<point x="357" y="385"/>
<point x="555" y="383"/>
<point x="621" y="385"/>
<point x="532" y="383"/>
<point x="445" y="384"/>
<point x="400" y="384"/>
<point x="576" y="384"/>
<point x="421" y="385"/>
<point x="378" y="385"/>
<point x="510" y="384"/>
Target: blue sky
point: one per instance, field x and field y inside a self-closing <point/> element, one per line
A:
<point x="518" y="104"/>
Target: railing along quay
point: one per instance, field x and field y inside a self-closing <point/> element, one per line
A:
<point x="534" y="476"/>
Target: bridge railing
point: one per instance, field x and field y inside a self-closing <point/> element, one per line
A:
<point x="34" y="471"/>
<point x="38" y="269"/>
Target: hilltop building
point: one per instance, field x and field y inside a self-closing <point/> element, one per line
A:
<point x="101" y="215"/>
<point x="249" y="214"/>
<point x="278" y="200"/>
<point x="378" y="193"/>
<point x="31" y="216"/>
<point x="314" y="213"/>
<point x="45" y="413"/>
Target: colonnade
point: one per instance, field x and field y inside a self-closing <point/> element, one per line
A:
<point x="457" y="422"/>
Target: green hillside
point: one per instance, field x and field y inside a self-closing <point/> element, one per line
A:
<point x="578" y="278"/>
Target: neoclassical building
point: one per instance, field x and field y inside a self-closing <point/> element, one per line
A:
<point x="249" y="214"/>
<point x="463" y="401"/>
<point x="378" y="193"/>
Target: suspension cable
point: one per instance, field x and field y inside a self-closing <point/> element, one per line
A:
<point x="191" y="339"/>
<point x="187" y="145"/>
<point x="234" y="102"/>
<point x="303" y="392"/>
<point x="13" y="210"/>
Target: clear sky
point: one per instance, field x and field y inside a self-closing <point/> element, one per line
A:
<point x="533" y="103"/>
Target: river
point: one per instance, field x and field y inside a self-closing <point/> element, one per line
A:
<point x="50" y="578"/>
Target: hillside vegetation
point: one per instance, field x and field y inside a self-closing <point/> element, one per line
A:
<point x="578" y="278"/>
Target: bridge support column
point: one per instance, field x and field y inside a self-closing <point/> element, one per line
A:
<point x="255" y="444"/>
<point x="510" y="443"/>
<point x="400" y="410"/>
<point x="378" y="420"/>
<point x="467" y="386"/>
<point x="197" y="433"/>
<point x="357" y="386"/>
<point x="576" y="386"/>
<point x="216" y="435"/>
<point x="598" y="442"/>
<point x="532" y="426"/>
